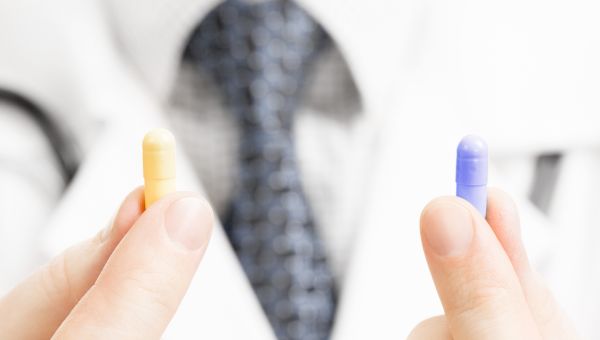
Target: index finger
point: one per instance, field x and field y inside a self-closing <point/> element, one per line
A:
<point x="48" y="295"/>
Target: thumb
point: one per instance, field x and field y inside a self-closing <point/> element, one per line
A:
<point x="144" y="280"/>
<point x="477" y="285"/>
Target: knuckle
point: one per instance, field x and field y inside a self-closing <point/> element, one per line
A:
<point x="483" y="297"/>
<point x="145" y="290"/>
<point x="55" y="281"/>
<point x="546" y="310"/>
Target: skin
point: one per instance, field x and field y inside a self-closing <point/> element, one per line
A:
<point x="487" y="287"/>
<point x="124" y="283"/>
<point x="127" y="281"/>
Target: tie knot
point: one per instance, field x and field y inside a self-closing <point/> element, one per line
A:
<point x="258" y="54"/>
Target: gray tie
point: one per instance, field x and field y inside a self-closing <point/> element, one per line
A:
<point x="258" y="53"/>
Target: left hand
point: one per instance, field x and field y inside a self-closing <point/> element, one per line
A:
<point x="125" y="283"/>
<point x="483" y="277"/>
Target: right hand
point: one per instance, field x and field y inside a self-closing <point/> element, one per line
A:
<point x="483" y="277"/>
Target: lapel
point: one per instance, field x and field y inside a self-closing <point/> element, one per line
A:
<point x="413" y="94"/>
<point x="127" y="104"/>
<point x="388" y="288"/>
<point x="219" y="294"/>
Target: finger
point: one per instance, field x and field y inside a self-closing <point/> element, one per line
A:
<point x="143" y="282"/>
<point x="503" y="218"/>
<point x="46" y="297"/>
<point x="477" y="285"/>
<point x="435" y="328"/>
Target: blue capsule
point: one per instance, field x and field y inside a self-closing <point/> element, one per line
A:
<point x="472" y="171"/>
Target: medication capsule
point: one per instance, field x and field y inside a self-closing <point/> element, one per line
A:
<point x="159" y="164"/>
<point x="472" y="171"/>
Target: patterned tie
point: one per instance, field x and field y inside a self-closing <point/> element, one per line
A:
<point x="258" y="53"/>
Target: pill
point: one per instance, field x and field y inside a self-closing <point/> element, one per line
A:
<point x="472" y="171"/>
<point x="158" y="151"/>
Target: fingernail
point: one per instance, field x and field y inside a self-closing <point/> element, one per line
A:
<point x="448" y="229"/>
<point x="187" y="222"/>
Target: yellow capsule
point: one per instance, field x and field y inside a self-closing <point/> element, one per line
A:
<point x="159" y="164"/>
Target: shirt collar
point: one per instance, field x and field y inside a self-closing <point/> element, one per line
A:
<point x="369" y="34"/>
<point x="152" y="36"/>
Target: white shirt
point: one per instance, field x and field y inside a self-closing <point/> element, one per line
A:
<point x="427" y="72"/>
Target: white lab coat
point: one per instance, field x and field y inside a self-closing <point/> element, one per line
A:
<point x="523" y="74"/>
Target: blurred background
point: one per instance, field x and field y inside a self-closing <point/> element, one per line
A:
<point x="379" y="109"/>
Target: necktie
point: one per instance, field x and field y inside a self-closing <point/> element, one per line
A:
<point x="258" y="54"/>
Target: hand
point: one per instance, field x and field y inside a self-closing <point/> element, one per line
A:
<point x="125" y="283"/>
<point x="483" y="277"/>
